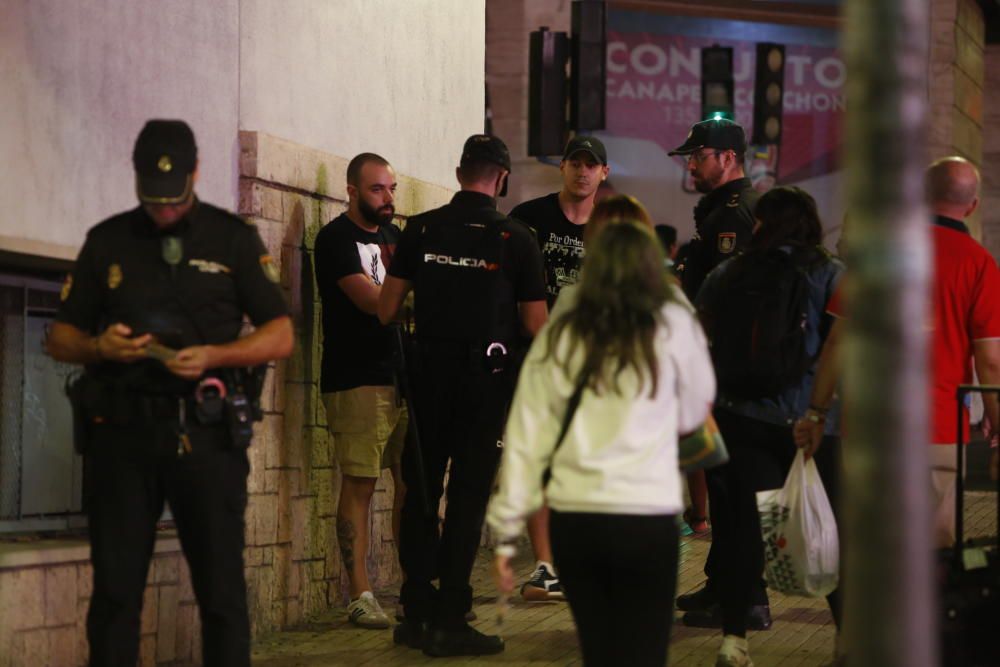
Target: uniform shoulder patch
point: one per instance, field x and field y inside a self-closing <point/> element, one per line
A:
<point x="734" y="201"/>
<point x="726" y="242"/>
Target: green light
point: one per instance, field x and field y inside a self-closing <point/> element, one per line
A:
<point x="718" y="114"/>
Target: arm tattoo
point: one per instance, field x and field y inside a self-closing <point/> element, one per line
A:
<point x="345" y="538"/>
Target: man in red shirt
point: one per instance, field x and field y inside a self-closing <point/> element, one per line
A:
<point x="965" y="316"/>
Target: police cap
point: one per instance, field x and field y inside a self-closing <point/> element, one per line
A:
<point x="486" y="148"/>
<point x="164" y="157"/>
<point x="721" y="134"/>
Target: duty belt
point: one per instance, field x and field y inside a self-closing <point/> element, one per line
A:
<point x="491" y="356"/>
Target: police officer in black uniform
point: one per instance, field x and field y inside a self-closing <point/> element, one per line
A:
<point x="479" y="286"/>
<point x="716" y="152"/>
<point x="723" y="218"/>
<point x="154" y="308"/>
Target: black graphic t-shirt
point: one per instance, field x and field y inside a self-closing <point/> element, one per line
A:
<point x="357" y="349"/>
<point x="560" y="241"/>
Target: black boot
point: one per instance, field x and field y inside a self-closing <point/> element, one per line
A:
<point x="466" y="640"/>
<point x="410" y="634"/>
<point x="758" y="617"/>
<point x="700" y="600"/>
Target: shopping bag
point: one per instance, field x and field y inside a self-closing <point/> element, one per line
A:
<point x="801" y="548"/>
<point x="703" y="449"/>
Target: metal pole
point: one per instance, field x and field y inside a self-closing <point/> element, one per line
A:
<point x="889" y="593"/>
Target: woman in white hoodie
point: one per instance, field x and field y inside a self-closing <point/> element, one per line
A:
<point x="615" y="487"/>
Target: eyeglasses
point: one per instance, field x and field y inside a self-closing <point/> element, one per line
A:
<point x="701" y="157"/>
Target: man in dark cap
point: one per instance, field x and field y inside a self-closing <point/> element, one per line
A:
<point x="477" y="278"/>
<point x="154" y="308"/>
<point x="716" y="152"/>
<point x="723" y="218"/>
<point x="558" y="220"/>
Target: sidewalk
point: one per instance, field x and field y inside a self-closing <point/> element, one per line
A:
<point x="541" y="634"/>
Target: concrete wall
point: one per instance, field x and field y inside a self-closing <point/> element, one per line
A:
<point x="403" y="79"/>
<point x="79" y="80"/>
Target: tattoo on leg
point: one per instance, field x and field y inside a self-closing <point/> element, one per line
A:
<point x="345" y="537"/>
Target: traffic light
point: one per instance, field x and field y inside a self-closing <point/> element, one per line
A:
<point x="547" y="57"/>
<point x="587" y="65"/>
<point x="768" y="93"/>
<point x="717" y="82"/>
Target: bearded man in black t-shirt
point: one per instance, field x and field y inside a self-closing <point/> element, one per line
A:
<point x="365" y="416"/>
<point x="558" y="221"/>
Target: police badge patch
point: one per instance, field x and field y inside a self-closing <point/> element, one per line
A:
<point x="114" y="276"/>
<point x="727" y="242"/>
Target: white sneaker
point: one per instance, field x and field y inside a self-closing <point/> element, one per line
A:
<point x="365" y="612"/>
<point x="734" y="652"/>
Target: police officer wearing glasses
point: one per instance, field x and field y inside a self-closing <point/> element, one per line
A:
<point x="154" y="308"/>
<point x="479" y="286"/>
<point x="716" y="151"/>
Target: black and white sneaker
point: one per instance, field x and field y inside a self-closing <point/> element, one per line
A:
<point x="543" y="585"/>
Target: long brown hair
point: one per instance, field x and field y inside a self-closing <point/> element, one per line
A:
<point x="622" y="289"/>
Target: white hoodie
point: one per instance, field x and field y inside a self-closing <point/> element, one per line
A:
<point x="619" y="455"/>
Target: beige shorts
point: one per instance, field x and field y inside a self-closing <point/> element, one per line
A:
<point x="368" y="429"/>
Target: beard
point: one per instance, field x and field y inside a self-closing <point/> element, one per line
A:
<point x="708" y="181"/>
<point x="381" y="216"/>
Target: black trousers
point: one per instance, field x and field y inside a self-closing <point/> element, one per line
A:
<point x="460" y="412"/>
<point x="602" y="560"/>
<point x="130" y="470"/>
<point x="760" y="456"/>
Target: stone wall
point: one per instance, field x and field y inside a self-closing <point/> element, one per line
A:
<point x="990" y="166"/>
<point x="45" y="590"/>
<point x="955" y="84"/>
<point x="292" y="559"/>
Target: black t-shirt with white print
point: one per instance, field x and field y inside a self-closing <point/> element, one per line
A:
<point x="357" y="349"/>
<point x="560" y="241"/>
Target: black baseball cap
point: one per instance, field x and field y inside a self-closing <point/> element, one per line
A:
<point x="164" y="157"/>
<point x="721" y="134"/>
<point x="586" y="144"/>
<point x="486" y="148"/>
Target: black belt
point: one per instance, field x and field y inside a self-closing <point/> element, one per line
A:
<point x="138" y="407"/>
<point x="490" y="355"/>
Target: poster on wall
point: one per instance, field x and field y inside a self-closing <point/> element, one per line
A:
<point x="654" y="96"/>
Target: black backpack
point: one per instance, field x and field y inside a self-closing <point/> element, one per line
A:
<point x="757" y="325"/>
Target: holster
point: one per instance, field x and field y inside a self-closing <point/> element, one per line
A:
<point x="85" y="393"/>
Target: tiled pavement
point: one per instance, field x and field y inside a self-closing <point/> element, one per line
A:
<point x="541" y="634"/>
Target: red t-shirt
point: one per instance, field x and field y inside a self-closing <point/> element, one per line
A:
<point x="965" y="307"/>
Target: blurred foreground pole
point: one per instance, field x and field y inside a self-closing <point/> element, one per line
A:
<point x="889" y="607"/>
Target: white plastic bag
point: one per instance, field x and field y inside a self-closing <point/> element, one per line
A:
<point x="801" y="548"/>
